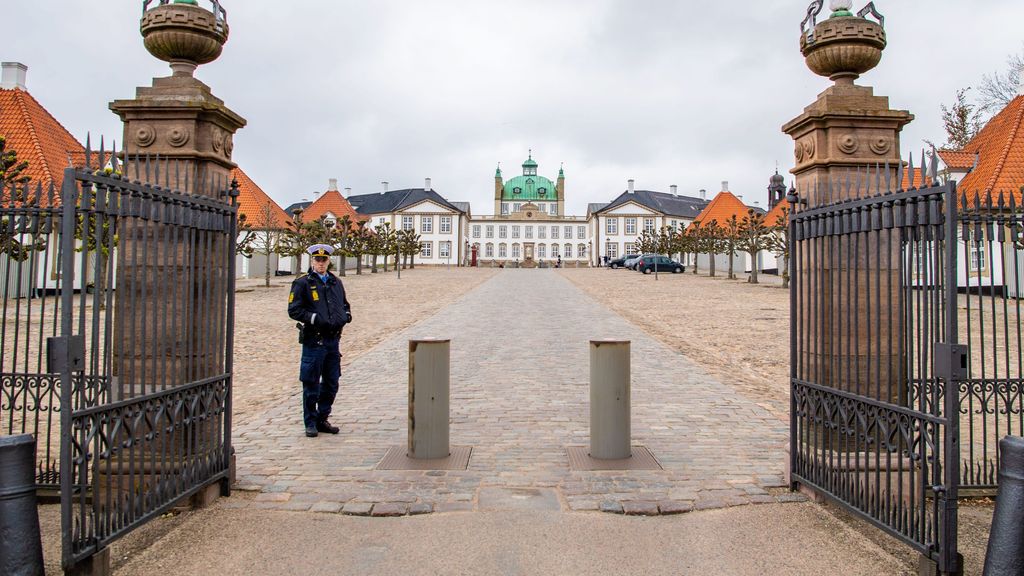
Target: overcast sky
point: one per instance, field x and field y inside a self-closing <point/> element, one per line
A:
<point x="664" y="92"/>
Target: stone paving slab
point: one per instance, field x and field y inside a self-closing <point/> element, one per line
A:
<point x="519" y="397"/>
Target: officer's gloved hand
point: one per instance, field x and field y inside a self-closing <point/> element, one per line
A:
<point x="348" y="317"/>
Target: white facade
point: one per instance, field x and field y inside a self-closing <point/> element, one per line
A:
<point x="616" y="231"/>
<point x="521" y="237"/>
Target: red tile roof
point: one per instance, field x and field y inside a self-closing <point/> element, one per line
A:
<point x="721" y="208"/>
<point x="1000" y="149"/>
<point x="252" y="203"/>
<point x="957" y="159"/>
<point x="774" y="216"/>
<point x="331" y="201"/>
<point x="37" y="137"/>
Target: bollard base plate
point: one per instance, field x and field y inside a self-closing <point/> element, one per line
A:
<point x="397" y="459"/>
<point x="642" y="459"/>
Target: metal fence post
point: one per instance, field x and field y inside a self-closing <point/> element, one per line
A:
<point x="609" y="399"/>
<point x="1005" y="553"/>
<point x="21" y="548"/>
<point x="429" y="385"/>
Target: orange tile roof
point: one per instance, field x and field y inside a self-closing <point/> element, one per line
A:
<point x="331" y="201"/>
<point x="920" y="180"/>
<point x="37" y="137"/>
<point x="721" y="208"/>
<point x="252" y="201"/>
<point x="774" y="216"/>
<point x="957" y="159"/>
<point x="1000" y="149"/>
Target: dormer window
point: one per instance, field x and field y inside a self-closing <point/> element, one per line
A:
<point x="542" y="191"/>
<point x="517" y="190"/>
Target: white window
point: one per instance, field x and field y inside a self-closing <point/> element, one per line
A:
<point x="406" y="222"/>
<point x="611" y="249"/>
<point x="381" y="220"/>
<point x="504" y="207"/>
<point x="581" y="232"/>
<point x="555" y="253"/>
<point x="630" y="248"/>
<point x="476" y="230"/>
<point x="515" y="231"/>
<point x="425" y="249"/>
<point x="489" y="250"/>
<point x="554" y="210"/>
<point x="515" y="250"/>
<point x="503" y="231"/>
<point x="581" y="251"/>
<point x="630" y="226"/>
<point x="542" y="251"/>
<point x="568" y="232"/>
<point x="529" y="231"/>
<point x="490" y="230"/>
<point x="502" y="250"/>
<point x="554" y="232"/>
<point x="444" y="249"/>
<point x="649" y="225"/>
<point x="446" y="224"/>
<point x="516" y="206"/>
<point x="611" y="226"/>
<point x="977" y="256"/>
<point x="675" y="225"/>
<point x="542" y="232"/>
<point x="568" y="251"/>
<point x="427" y="224"/>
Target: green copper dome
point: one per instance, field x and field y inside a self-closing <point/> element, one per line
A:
<point x="529" y="188"/>
<point x="529" y="163"/>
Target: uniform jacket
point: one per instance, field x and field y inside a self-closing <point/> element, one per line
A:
<point x="309" y="296"/>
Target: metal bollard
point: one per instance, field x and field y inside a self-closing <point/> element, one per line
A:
<point x="1005" y="553"/>
<point x="429" y="385"/>
<point x="609" y="399"/>
<point x="21" y="548"/>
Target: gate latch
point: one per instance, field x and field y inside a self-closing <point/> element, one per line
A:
<point x="951" y="361"/>
<point x="65" y="354"/>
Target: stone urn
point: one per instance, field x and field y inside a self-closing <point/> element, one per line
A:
<point x="184" y="34"/>
<point x="843" y="47"/>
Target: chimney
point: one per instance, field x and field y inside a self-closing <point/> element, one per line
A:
<point x="674" y="190"/>
<point x="725" y="185"/>
<point x="703" y="194"/>
<point x="348" y="192"/>
<point x="740" y="197"/>
<point x="426" y="184"/>
<point x="384" y="185"/>
<point x="630" y="188"/>
<point x="332" y="185"/>
<point x="13" y="76"/>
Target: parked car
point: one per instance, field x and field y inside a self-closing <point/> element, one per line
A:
<point x="617" y="262"/>
<point x="630" y="262"/>
<point x="649" y="264"/>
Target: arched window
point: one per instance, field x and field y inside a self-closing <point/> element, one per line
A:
<point x="568" y="250"/>
<point x="581" y="251"/>
<point x="555" y="253"/>
<point x="489" y="250"/>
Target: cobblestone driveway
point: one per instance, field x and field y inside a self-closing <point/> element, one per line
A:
<point x="519" y="396"/>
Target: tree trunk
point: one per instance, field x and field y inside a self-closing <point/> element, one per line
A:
<point x="732" y="254"/>
<point x="373" y="264"/>
<point x="266" y="275"/>
<point x="695" y="256"/>
<point x="753" y="267"/>
<point x="359" y="264"/>
<point x="711" y="265"/>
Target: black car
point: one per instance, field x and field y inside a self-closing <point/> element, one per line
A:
<point x="649" y="264"/>
<point x="617" y="262"/>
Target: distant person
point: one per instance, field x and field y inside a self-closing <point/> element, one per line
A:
<point x="317" y="301"/>
<point x="559" y="263"/>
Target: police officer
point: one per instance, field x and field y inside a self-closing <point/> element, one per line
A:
<point x="317" y="301"/>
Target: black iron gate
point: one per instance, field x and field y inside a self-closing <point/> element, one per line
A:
<point x="143" y="347"/>
<point x="874" y="361"/>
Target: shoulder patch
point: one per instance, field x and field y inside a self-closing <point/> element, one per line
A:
<point x="291" y="297"/>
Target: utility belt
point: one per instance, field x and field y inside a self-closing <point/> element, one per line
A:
<point x="311" y="335"/>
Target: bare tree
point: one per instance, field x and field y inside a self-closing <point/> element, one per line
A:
<point x="962" y="121"/>
<point x="731" y="237"/>
<point x="753" y="238"/>
<point x="997" y="90"/>
<point x="778" y="243"/>
<point x="266" y="237"/>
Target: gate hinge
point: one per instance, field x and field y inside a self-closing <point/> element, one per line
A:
<point x="951" y="361"/>
<point x="65" y="354"/>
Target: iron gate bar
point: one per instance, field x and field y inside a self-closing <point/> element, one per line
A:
<point x="866" y="425"/>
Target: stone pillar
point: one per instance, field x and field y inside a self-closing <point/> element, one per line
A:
<point x="180" y="120"/>
<point x="848" y="128"/>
